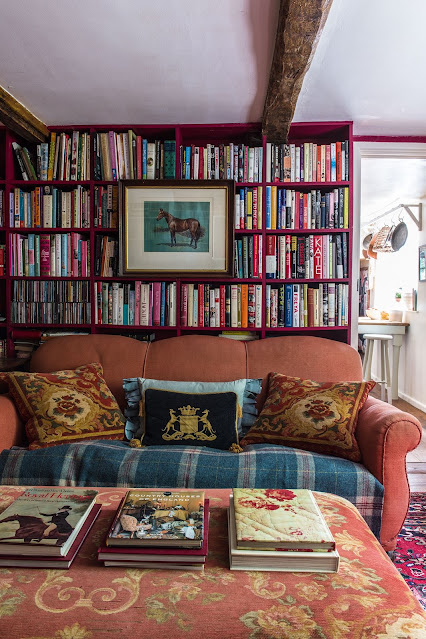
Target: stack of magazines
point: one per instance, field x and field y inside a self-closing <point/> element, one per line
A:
<point x="279" y="529"/>
<point x="166" y="529"/>
<point x="45" y="527"/>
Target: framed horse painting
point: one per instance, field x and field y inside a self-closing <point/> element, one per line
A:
<point x="176" y="227"/>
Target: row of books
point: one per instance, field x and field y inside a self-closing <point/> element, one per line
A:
<point x="302" y="305"/>
<point x="290" y="209"/>
<point x="53" y="255"/>
<point x="106" y="256"/>
<point x="248" y="256"/>
<point x="238" y="162"/>
<point x="224" y="305"/>
<point x="106" y="206"/>
<point x="66" y="157"/>
<point x="307" y="162"/>
<point x="49" y="207"/>
<point x="276" y="529"/>
<point x="135" y="304"/>
<point x="248" y="207"/>
<point x="1" y="207"/>
<point x="3" y="348"/>
<point x="307" y="256"/>
<point x="158" y="529"/>
<point x="127" y="156"/>
<point x="279" y="529"/>
<point x="50" y="312"/>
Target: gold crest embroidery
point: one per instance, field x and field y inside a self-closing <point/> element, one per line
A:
<point x="188" y="425"/>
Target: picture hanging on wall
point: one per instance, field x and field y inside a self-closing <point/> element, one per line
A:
<point x="176" y="227"/>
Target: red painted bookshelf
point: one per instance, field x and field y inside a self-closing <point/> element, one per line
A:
<point x="76" y="301"/>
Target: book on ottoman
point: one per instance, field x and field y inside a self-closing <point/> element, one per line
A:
<point x="159" y="518"/>
<point x="158" y="557"/>
<point x="44" y="521"/>
<point x="277" y="560"/>
<point x="280" y="519"/>
<point x="63" y="562"/>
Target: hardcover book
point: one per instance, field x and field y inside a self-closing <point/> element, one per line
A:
<point x="277" y="560"/>
<point x="59" y="562"/>
<point x="44" y="521"/>
<point x="159" y="518"/>
<point x="280" y="519"/>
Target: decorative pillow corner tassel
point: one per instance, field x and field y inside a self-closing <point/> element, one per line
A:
<point x="136" y="443"/>
<point x="235" y="448"/>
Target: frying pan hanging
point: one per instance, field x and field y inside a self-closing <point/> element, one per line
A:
<point x="398" y="236"/>
<point x="366" y="241"/>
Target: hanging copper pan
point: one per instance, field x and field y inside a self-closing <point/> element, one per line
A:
<point x="366" y="241"/>
<point x="370" y="251"/>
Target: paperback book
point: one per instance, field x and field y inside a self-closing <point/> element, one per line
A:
<point x="44" y="521"/>
<point x="277" y="560"/>
<point x="280" y="519"/>
<point x="60" y="562"/>
<point x="159" y="518"/>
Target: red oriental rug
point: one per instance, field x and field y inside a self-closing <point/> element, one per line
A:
<point x="410" y="552"/>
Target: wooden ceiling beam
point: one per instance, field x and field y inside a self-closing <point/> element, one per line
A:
<point x="300" y="24"/>
<point x="18" y="119"/>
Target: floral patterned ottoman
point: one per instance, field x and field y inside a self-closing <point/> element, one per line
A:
<point x="367" y="598"/>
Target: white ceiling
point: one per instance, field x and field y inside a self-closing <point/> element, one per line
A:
<point x="182" y="61"/>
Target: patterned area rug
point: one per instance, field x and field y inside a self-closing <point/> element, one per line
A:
<point x="410" y="552"/>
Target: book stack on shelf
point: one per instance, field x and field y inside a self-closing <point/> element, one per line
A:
<point x="279" y="529"/>
<point x="307" y="162"/>
<point x="238" y="162"/>
<point x="158" y="529"/>
<point x="45" y="527"/>
<point x="129" y="156"/>
<point x="49" y="207"/>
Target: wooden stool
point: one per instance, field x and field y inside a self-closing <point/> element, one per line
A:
<point x="385" y="376"/>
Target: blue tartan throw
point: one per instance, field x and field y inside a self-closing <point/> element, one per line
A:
<point x="114" y="463"/>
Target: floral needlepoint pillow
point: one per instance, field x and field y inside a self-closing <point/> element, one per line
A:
<point x="316" y="416"/>
<point x="65" y="406"/>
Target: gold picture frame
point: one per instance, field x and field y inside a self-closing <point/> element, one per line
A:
<point x="176" y="227"/>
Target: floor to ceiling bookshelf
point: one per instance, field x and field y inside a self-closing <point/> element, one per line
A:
<point x="33" y="300"/>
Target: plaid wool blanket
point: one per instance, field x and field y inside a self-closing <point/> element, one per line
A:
<point x="114" y="463"/>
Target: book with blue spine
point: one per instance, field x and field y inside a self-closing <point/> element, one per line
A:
<point x="268" y="207"/>
<point x="288" y="298"/>
<point x="163" y="304"/>
<point x="144" y="158"/>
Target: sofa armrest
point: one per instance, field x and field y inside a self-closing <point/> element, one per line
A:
<point x="385" y="435"/>
<point x="11" y="427"/>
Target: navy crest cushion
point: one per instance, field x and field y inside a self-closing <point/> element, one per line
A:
<point x="195" y="419"/>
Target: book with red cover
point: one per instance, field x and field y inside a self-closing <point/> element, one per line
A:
<point x="62" y="562"/>
<point x="44" y="255"/>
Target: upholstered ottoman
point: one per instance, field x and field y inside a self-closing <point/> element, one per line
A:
<point x="367" y="598"/>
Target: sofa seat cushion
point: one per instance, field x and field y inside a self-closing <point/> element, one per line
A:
<point x="65" y="406"/>
<point x="114" y="463"/>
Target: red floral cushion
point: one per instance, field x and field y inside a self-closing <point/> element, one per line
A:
<point x="65" y="406"/>
<point x="316" y="416"/>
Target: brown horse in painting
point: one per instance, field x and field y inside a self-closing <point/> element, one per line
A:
<point x="177" y="225"/>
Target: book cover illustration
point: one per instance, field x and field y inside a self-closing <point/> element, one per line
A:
<point x="280" y="519"/>
<point x="45" y="517"/>
<point x="159" y="517"/>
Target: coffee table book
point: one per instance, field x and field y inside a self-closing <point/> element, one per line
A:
<point x="44" y="522"/>
<point x="277" y="560"/>
<point x="164" y="556"/>
<point x="56" y="563"/>
<point x="159" y="518"/>
<point x="280" y="519"/>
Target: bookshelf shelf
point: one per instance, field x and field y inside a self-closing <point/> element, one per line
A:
<point x="220" y="151"/>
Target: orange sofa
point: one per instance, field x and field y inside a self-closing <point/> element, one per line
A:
<point x="384" y="433"/>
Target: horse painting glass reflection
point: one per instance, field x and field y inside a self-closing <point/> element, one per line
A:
<point x="176" y="227"/>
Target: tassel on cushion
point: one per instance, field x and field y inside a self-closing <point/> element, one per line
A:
<point x="136" y="443"/>
<point x="235" y="448"/>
